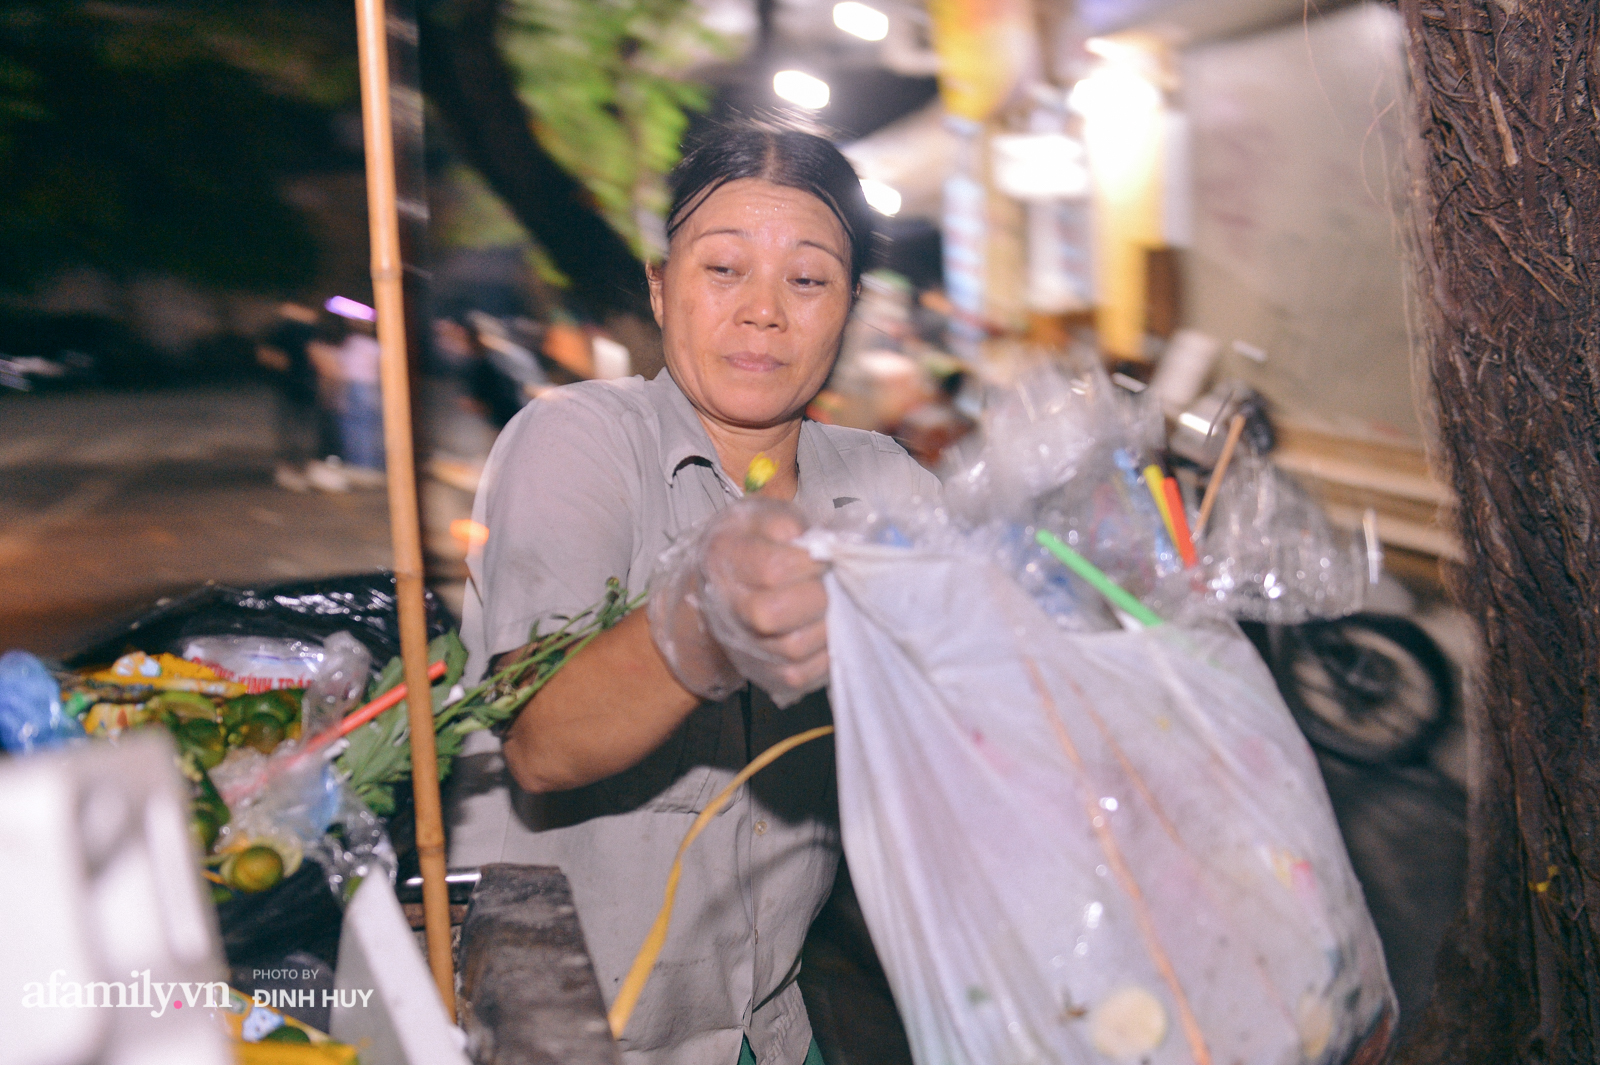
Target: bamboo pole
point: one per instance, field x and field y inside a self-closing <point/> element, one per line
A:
<point x="404" y="522"/>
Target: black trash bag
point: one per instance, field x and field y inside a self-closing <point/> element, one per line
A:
<point x="362" y="605"/>
<point x="300" y="914"/>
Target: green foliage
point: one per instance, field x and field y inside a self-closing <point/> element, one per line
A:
<point x="602" y="79"/>
<point x="468" y="215"/>
<point x="379" y="753"/>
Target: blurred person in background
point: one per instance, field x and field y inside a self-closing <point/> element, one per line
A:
<point x="346" y="357"/>
<point x="361" y="405"/>
<point x="767" y="239"/>
<point x="300" y="430"/>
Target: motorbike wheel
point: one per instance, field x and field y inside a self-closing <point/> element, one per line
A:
<point x="1372" y="688"/>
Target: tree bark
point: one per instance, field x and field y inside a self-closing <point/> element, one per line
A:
<point x="1507" y="230"/>
<point x="467" y="80"/>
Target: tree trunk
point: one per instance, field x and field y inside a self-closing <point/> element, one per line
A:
<point x="467" y="80"/>
<point x="1508" y="235"/>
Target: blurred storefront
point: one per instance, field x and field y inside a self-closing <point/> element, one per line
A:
<point x="1210" y="192"/>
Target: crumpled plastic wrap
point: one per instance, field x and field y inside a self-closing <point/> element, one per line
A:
<point x="336" y="687"/>
<point x="1270" y="554"/>
<point x="260" y="663"/>
<point x="307" y="812"/>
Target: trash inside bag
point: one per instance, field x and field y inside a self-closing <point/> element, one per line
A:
<point x="1075" y="847"/>
<point x="1270" y="554"/>
<point x="1066" y="450"/>
<point x="1063" y="449"/>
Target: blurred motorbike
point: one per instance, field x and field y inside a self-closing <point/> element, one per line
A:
<point x="1371" y="688"/>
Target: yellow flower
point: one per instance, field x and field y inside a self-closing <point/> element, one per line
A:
<point x="759" y="472"/>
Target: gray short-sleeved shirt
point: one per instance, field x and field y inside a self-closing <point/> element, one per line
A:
<point x="594" y="481"/>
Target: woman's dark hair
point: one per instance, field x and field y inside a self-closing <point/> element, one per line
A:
<point x="784" y="156"/>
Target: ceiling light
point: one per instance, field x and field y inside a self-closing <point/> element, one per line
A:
<point x="801" y="88"/>
<point x="1039" y="166"/>
<point x="865" y="22"/>
<point x="880" y="197"/>
<point x="1115" y="96"/>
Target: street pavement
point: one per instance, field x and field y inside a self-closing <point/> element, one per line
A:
<point x="109" y="501"/>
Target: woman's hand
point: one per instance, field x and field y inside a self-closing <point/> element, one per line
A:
<point x="772" y="592"/>
<point x="741" y="601"/>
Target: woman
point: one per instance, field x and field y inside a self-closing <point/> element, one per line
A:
<point x="768" y="236"/>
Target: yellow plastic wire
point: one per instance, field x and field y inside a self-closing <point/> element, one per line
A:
<point x="1157" y="485"/>
<point x="644" y="962"/>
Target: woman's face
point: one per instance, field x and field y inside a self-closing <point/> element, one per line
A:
<point x="752" y="302"/>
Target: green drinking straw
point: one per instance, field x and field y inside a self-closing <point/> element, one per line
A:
<point x="1099" y="581"/>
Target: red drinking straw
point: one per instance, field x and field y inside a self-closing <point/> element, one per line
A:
<point x="389" y="699"/>
<point x="1180" y="522"/>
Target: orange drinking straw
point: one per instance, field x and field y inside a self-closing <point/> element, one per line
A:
<point x="1179" y="522"/>
<point x="388" y="699"/>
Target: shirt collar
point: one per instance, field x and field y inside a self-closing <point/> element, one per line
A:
<point x="823" y="474"/>
<point x="684" y="440"/>
<point x="683" y="435"/>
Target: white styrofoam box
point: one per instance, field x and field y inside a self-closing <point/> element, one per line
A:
<point x="400" y="1019"/>
<point x="102" y="912"/>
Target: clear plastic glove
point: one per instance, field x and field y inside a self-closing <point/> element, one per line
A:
<point x="736" y="600"/>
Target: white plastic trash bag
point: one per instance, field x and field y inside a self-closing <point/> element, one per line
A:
<point x="1086" y="847"/>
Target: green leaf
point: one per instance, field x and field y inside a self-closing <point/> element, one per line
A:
<point x="603" y="80"/>
<point x="378" y="754"/>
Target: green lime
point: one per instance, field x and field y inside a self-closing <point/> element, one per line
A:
<point x="205" y="738"/>
<point x="240" y="708"/>
<point x="204" y="825"/>
<point x="184" y="706"/>
<point x="286" y="703"/>
<point x="261" y="731"/>
<point x="232" y="713"/>
<point x="286" y="1033"/>
<point x="253" y="869"/>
